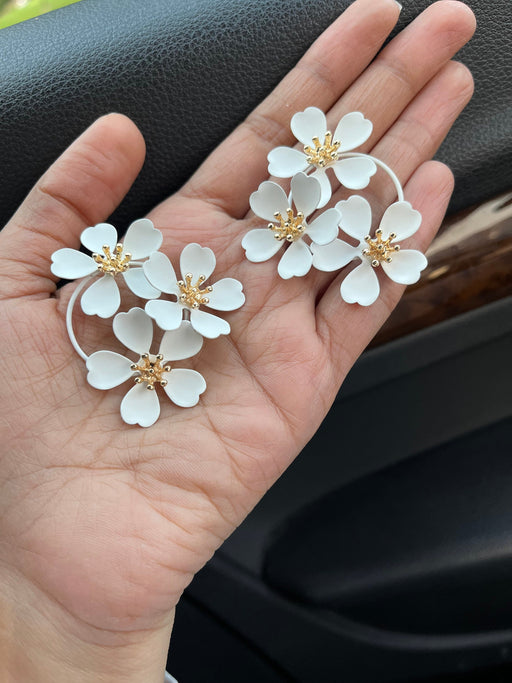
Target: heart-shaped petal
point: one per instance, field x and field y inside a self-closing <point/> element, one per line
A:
<point x="134" y="329"/>
<point x="138" y="283"/>
<point x="406" y="266"/>
<point x="260" y="245"/>
<point x="361" y="286"/>
<point x="98" y="236"/>
<point x="142" y="238"/>
<point x="167" y="314"/>
<point x="71" y="264"/>
<point x="102" y="298"/>
<point x="284" y="162"/>
<point x="352" y="131"/>
<point x="324" y="229"/>
<point x="160" y="273"/>
<point x="308" y="124"/>
<point x="184" y="387"/>
<point x="226" y="295"/>
<point x="269" y="198"/>
<point x="108" y="369"/>
<point x="140" y="406"/>
<point x="197" y="260"/>
<point x="356" y="217"/>
<point x="181" y="343"/>
<point x="355" y="173"/>
<point x="296" y="260"/>
<point x="210" y="326"/>
<point x="401" y="219"/>
<point x="306" y="192"/>
<point x="333" y="256"/>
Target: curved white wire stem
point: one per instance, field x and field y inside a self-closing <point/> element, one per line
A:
<point x="71" y="306"/>
<point x="385" y="167"/>
<point x="69" y="317"/>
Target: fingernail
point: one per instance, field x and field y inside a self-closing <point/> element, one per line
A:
<point x="399" y="5"/>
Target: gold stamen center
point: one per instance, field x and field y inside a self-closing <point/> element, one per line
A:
<point x="191" y="293"/>
<point x="379" y="250"/>
<point x="290" y="228"/>
<point x="150" y="370"/>
<point x="323" y="153"/>
<point x="112" y="263"/>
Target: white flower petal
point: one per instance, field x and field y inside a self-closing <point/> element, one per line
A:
<point x="406" y="266"/>
<point x="401" y="219"/>
<point x="296" y="260"/>
<point x="102" y="298"/>
<point x="160" y="273"/>
<point x="333" y="256"/>
<point x="98" y="236"/>
<point x="135" y="330"/>
<point x="324" y="229"/>
<point x="208" y="325"/>
<point x="140" y="406"/>
<point x="108" y="369"/>
<point x="138" y="283"/>
<point x="197" y="261"/>
<point x="71" y="264"/>
<point x="355" y="173"/>
<point x="260" y="245"/>
<point x="361" y="286"/>
<point x="167" y="314"/>
<point x="184" y="387"/>
<point x="308" y="124"/>
<point x="352" y="131"/>
<point x="181" y="343"/>
<point x="226" y="295"/>
<point x="325" y="185"/>
<point x="142" y="238"/>
<point x="356" y="217"/>
<point x="284" y="162"/>
<point x="306" y="192"/>
<point x="269" y="199"/>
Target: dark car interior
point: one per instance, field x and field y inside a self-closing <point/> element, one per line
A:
<point x="384" y="553"/>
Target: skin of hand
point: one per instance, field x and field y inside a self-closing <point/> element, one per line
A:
<point x="104" y="525"/>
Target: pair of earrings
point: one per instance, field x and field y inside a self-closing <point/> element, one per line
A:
<point x="148" y="272"/>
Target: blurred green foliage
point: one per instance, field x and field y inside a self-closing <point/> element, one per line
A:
<point x="14" y="11"/>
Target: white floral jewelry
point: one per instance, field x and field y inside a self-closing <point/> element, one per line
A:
<point x="183" y="336"/>
<point x="403" y="266"/>
<point x="141" y="404"/>
<point x="109" y="259"/>
<point x="197" y="264"/>
<point x="322" y="151"/>
<point x="271" y="203"/>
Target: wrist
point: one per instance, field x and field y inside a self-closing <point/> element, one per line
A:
<point x="40" y="641"/>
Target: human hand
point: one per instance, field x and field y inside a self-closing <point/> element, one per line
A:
<point x="104" y="525"/>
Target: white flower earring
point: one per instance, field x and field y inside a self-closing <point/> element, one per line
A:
<point x="184" y="323"/>
<point x="197" y="264"/>
<point x="109" y="259"/>
<point x="324" y="251"/>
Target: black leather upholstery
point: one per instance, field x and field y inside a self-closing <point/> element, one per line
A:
<point x="188" y="71"/>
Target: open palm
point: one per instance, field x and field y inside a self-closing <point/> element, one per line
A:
<point x="107" y="523"/>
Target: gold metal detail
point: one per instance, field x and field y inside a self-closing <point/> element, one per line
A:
<point x="290" y="228"/>
<point x="380" y="250"/>
<point x="323" y="153"/>
<point x="112" y="263"/>
<point x="191" y="294"/>
<point x="151" y="371"/>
